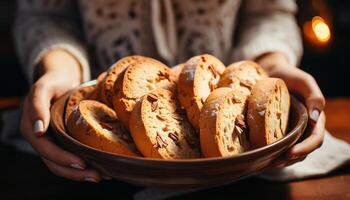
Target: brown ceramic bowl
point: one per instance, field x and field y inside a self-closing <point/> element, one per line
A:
<point x="179" y="173"/>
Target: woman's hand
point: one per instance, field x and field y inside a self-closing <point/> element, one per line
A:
<point x="58" y="72"/>
<point x="305" y="85"/>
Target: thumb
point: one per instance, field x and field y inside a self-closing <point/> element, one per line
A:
<point x="39" y="100"/>
<point x="315" y="104"/>
<point x="306" y="86"/>
<point x="313" y="97"/>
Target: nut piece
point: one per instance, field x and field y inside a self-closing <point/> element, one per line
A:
<point x="106" y="126"/>
<point x="164" y="74"/>
<point x="213" y="71"/>
<point x="161" y="143"/>
<point x="212" y="84"/>
<point x="154" y="106"/>
<point x="246" y="83"/>
<point x="177" y="117"/>
<point x="239" y="132"/>
<point x="240" y="122"/>
<point x="108" y="119"/>
<point x="174" y="136"/>
<point x="152" y="97"/>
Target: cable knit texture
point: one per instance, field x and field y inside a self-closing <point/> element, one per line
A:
<point x="170" y="30"/>
<point x="44" y="25"/>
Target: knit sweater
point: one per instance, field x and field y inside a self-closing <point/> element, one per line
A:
<point x="99" y="32"/>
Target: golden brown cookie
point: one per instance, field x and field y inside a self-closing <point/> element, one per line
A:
<point x="96" y="125"/>
<point x="242" y="76"/>
<point x="137" y="80"/>
<point x="160" y="128"/>
<point x="268" y="111"/>
<point x="83" y="93"/>
<point x="223" y="131"/>
<point x="198" y="78"/>
<point x="107" y="87"/>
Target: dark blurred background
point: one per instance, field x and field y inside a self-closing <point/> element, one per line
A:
<point x="325" y="58"/>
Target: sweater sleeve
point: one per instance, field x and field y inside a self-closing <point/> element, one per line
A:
<point x="268" y="26"/>
<point x="43" y="25"/>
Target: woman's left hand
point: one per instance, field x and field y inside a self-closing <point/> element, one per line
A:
<point x="305" y="85"/>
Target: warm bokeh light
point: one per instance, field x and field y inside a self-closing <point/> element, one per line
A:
<point x="317" y="31"/>
<point x="321" y="29"/>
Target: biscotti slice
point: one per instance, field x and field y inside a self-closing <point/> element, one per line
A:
<point x="268" y="111"/>
<point x="107" y="86"/>
<point x="101" y="77"/>
<point x="96" y="125"/>
<point x="242" y="76"/>
<point x="160" y="128"/>
<point x="198" y="78"/>
<point x="177" y="69"/>
<point x="137" y="80"/>
<point x="84" y="92"/>
<point x="223" y="131"/>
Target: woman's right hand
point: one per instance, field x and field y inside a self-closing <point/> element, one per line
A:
<point x="59" y="72"/>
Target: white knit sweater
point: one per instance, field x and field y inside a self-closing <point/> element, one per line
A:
<point x="171" y="30"/>
<point x="99" y="32"/>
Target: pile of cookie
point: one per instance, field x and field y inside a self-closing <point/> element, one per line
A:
<point x="141" y="107"/>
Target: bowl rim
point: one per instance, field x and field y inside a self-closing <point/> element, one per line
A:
<point x="300" y="124"/>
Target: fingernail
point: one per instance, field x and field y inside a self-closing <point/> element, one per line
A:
<point x="39" y="127"/>
<point x="76" y="166"/>
<point x="90" y="179"/>
<point x="314" y="115"/>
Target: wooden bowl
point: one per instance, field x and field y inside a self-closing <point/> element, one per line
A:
<point x="179" y="173"/>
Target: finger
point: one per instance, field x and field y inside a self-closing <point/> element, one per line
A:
<point x="39" y="100"/>
<point x="74" y="174"/>
<point x="48" y="149"/>
<point x="305" y="85"/>
<point x="314" y="106"/>
<point x="312" y="142"/>
<point x="314" y="98"/>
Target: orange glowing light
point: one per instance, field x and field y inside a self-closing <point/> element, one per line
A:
<point x="321" y="29"/>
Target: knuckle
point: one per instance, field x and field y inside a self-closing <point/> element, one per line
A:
<point x="35" y="87"/>
<point x="61" y="157"/>
<point x="34" y="94"/>
<point x="320" y="141"/>
<point x="38" y="88"/>
<point x="320" y="144"/>
<point x="57" y="157"/>
<point x="320" y="99"/>
<point x="309" y="77"/>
